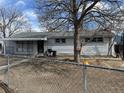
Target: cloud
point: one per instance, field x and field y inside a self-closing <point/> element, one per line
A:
<point x="36" y="28"/>
<point x="30" y="14"/>
<point x="2" y="2"/>
<point x="102" y="5"/>
<point x="32" y="19"/>
<point x="20" y="3"/>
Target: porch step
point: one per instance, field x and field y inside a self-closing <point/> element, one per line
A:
<point x="40" y="55"/>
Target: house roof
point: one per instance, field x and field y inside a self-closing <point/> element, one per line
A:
<point x="61" y="34"/>
<point x="29" y="35"/>
<point x="24" y="39"/>
<point x="46" y="35"/>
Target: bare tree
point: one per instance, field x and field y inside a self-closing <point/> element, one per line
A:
<point x="116" y="27"/>
<point x="12" y="21"/>
<point x="56" y="14"/>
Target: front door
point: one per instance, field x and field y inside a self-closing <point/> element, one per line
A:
<point x="40" y="45"/>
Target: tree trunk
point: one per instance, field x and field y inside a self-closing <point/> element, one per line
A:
<point x="4" y="35"/>
<point x="77" y="46"/>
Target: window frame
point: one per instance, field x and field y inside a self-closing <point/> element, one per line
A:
<point x="24" y="46"/>
<point x="60" y="40"/>
<point x="95" y="39"/>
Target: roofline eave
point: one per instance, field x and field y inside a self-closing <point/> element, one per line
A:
<point x="23" y="39"/>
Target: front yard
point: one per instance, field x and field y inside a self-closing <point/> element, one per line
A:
<point x="44" y="76"/>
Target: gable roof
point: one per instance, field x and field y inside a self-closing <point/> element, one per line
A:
<point x="66" y="34"/>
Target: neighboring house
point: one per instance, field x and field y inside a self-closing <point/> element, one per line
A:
<point x="119" y="44"/>
<point x="62" y="42"/>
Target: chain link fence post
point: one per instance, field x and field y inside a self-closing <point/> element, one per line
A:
<point x="8" y="68"/>
<point x="85" y="90"/>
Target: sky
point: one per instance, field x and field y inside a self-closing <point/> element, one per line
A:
<point x="28" y="9"/>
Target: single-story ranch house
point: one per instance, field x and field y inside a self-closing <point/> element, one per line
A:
<point x="34" y="43"/>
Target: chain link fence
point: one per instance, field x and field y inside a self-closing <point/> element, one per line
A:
<point x="46" y="75"/>
<point x="104" y="80"/>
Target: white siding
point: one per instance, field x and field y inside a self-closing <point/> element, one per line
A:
<point x="96" y="48"/>
<point x="66" y="48"/>
<point x="100" y="48"/>
<point x="89" y="49"/>
<point x="10" y="47"/>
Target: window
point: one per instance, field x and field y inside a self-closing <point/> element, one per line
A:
<point x="24" y="46"/>
<point x="96" y="39"/>
<point x="30" y="46"/>
<point x="60" y="40"/>
<point x="19" y="46"/>
<point x="57" y="40"/>
<point x="87" y="39"/>
<point x="99" y="39"/>
<point x="63" y="40"/>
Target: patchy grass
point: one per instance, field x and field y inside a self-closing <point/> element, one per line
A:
<point x="43" y="76"/>
<point x="4" y="60"/>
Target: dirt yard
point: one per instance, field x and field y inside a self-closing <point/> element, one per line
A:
<point x="110" y="63"/>
<point x="4" y="60"/>
<point x="100" y="61"/>
<point x="41" y="76"/>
